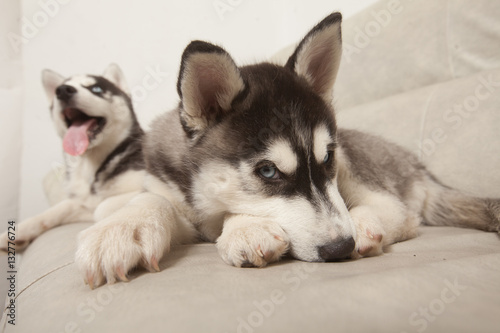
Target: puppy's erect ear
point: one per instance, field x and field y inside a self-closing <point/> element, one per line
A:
<point x="209" y="81"/>
<point x="114" y="74"/>
<point x="317" y="58"/>
<point x="51" y="80"/>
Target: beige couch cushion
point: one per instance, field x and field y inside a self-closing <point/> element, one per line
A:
<point x="422" y="42"/>
<point x="450" y="273"/>
<point x="454" y="127"/>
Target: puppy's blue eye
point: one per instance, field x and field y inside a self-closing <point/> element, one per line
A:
<point x="328" y="157"/>
<point x="96" y="89"/>
<point x="269" y="172"/>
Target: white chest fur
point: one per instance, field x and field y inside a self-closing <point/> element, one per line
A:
<point x="80" y="173"/>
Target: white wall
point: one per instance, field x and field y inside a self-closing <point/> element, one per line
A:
<point x="85" y="36"/>
<point x="10" y="114"/>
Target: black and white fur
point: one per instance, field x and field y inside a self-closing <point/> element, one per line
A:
<point x="111" y="170"/>
<point x="252" y="159"/>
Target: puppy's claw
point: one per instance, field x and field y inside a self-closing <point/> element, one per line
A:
<point x="90" y="280"/>
<point x="279" y="238"/>
<point x="154" y="264"/>
<point x="259" y="252"/>
<point x="121" y="275"/>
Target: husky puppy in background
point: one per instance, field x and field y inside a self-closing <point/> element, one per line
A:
<point x="252" y="159"/>
<point x="101" y="139"/>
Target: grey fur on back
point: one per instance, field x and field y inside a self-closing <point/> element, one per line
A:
<point x="380" y="164"/>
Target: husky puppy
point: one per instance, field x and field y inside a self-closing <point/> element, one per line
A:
<point x="101" y="139"/>
<point x="252" y="159"/>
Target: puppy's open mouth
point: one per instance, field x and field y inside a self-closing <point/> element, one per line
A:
<point x="82" y="129"/>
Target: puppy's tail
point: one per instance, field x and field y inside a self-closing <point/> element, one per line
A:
<point x="450" y="207"/>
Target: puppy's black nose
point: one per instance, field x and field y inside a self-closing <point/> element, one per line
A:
<point x="339" y="249"/>
<point x="65" y="92"/>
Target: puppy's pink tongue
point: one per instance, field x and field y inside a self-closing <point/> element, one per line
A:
<point x="76" y="140"/>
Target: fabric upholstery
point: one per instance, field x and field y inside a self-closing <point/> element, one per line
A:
<point x="431" y="57"/>
<point x="197" y="292"/>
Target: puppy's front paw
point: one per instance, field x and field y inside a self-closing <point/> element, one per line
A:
<point x="23" y="234"/>
<point x="108" y="250"/>
<point x="248" y="241"/>
<point x="4" y="241"/>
